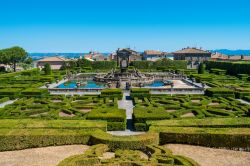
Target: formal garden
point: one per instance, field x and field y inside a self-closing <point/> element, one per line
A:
<point x="32" y="117"/>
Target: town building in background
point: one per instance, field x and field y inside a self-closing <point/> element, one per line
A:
<point x="131" y="55"/>
<point x="55" y="62"/>
<point x="219" y="56"/>
<point x="222" y="57"/>
<point x="95" y="56"/>
<point x="153" y="55"/>
<point x="193" y="56"/>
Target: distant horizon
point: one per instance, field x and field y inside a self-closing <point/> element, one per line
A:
<point x="77" y="26"/>
<point x="135" y="50"/>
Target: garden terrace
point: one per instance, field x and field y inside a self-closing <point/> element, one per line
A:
<point x="238" y="84"/>
<point x="160" y="107"/>
<point x="26" y="83"/>
<point x="69" y="107"/>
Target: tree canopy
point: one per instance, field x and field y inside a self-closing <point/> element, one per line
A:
<point x="12" y="56"/>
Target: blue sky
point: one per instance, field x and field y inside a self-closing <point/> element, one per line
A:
<point x="105" y="25"/>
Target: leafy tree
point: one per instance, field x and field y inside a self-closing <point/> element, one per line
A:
<point x="47" y="69"/>
<point x="28" y="61"/>
<point x="12" y="56"/>
<point x="201" y="68"/>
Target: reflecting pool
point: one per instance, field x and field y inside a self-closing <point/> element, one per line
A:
<point x="85" y="84"/>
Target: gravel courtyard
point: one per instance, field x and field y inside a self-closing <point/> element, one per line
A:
<point x="47" y="156"/>
<point x="211" y="156"/>
<point x="50" y="156"/>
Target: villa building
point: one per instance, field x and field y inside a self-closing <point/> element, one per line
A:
<point x="222" y="57"/>
<point x="95" y="56"/>
<point x="218" y="56"/>
<point x="194" y="56"/>
<point x="131" y="55"/>
<point x="55" y="62"/>
<point x="152" y="55"/>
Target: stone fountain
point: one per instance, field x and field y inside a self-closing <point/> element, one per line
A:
<point x="124" y="76"/>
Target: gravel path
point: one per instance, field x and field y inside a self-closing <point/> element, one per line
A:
<point x="47" y="156"/>
<point x="2" y="105"/>
<point x="127" y="105"/>
<point x="244" y="101"/>
<point x="211" y="156"/>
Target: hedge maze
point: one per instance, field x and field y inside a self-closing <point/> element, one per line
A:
<point x="26" y="83"/>
<point x="153" y="155"/>
<point x="186" y="106"/>
<point x="68" y="107"/>
<point x="38" y="119"/>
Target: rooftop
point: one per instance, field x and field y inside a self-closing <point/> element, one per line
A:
<point x="52" y="59"/>
<point x="153" y="52"/>
<point x="192" y="50"/>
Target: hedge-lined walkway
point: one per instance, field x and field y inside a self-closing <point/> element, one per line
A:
<point x="244" y="101"/>
<point x="2" y="105"/>
<point x="211" y="156"/>
<point x="49" y="156"/>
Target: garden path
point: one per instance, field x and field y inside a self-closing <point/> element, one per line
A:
<point x="2" y="105"/>
<point x="244" y="101"/>
<point x="127" y="104"/>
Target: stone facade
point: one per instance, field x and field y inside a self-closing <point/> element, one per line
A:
<point x="55" y="62"/>
<point x="152" y="55"/>
<point x="193" y="56"/>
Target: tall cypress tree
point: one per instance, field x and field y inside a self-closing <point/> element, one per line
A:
<point x="201" y="68"/>
<point x="47" y="69"/>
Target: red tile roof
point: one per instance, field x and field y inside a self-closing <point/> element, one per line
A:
<point x="191" y="51"/>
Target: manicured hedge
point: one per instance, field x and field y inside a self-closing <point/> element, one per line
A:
<point x="231" y="138"/>
<point x="111" y="93"/>
<point x="32" y="92"/>
<point x="160" y="64"/>
<point x="219" y="92"/>
<point x="4" y="99"/>
<point x="12" y="93"/>
<point x="208" y="122"/>
<point x="53" y="124"/>
<point x="242" y="92"/>
<point x="15" y="139"/>
<point x="116" y="118"/>
<point x="247" y="98"/>
<point x="140" y="93"/>
<point x="124" y="142"/>
<point x="157" y="156"/>
<point x="185" y="107"/>
<point x="90" y="157"/>
<point x="232" y="68"/>
<point x="142" y="114"/>
<point x="218" y="71"/>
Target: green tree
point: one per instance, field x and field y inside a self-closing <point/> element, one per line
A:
<point x="12" y="56"/>
<point x="28" y="60"/>
<point x="47" y="69"/>
<point x="201" y="68"/>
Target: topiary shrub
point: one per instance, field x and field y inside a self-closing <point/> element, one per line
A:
<point x="138" y="142"/>
<point x="219" y="92"/>
<point x="111" y="93"/>
<point x="201" y="68"/>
